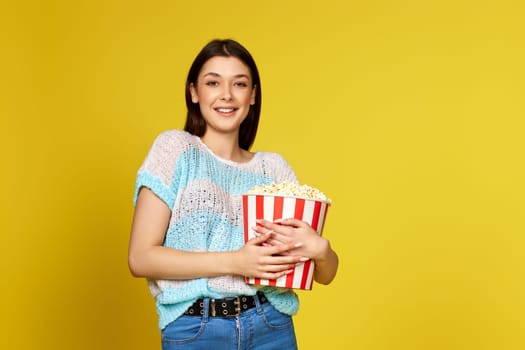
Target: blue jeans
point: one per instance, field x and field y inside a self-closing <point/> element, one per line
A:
<point x="259" y="328"/>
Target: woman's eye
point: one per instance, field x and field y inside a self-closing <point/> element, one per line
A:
<point x="241" y="84"/>
<point x="212" y="83"/>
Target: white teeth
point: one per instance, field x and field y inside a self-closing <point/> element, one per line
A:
<point x="225" y="110"/>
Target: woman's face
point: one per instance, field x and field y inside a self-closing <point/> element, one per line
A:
<point x="225" y="92"/>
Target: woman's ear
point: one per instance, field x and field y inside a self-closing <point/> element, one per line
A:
<point x="254" y="93"/>
<point x="193" y="92"/>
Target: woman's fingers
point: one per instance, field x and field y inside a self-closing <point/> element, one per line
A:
<point x="293" y="222"/>
<point x="275" y="270"/>
<point x="264" y="226"/>
<point x="285" y="231"/>
<point x="259" y="239"/>
<point x="269" y="262"/>
<point x="275" y="275"/>
<point x="281" y="222"/>
<point x="275" y="237"/>
<point x="281" y="248"/>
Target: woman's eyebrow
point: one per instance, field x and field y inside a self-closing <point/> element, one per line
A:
<point x="241" y="75"/>
<point x="212" y="74"/>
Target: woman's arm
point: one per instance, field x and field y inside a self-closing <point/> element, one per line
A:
<point x="326" y="263"/>
<point x="307" y="243"/>
<point x="147" y="257"/>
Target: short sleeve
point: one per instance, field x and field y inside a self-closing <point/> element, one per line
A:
<point x="157" y="170"/>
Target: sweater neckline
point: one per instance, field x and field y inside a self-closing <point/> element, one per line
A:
<point x="224" y="160"/>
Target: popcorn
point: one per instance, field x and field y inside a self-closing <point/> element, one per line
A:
<point x="281" y="201"/>
<point x="292" y="189"/>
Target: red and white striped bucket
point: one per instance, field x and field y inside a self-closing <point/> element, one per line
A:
<point x="273" y="207"/>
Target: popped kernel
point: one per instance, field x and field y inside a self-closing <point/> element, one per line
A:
<point x="292" y="189"/>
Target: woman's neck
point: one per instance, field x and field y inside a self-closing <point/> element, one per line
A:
<point x="226" y="147"/>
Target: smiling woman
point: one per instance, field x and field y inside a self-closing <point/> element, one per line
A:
<point x="195" y="123"/>
<point x="225" y="92"/>
<point x="187" y="232"/>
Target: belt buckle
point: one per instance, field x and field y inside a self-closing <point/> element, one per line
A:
<point x="237" y="303"/>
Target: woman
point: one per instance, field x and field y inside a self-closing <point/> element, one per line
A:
<point x="187" y="235"/>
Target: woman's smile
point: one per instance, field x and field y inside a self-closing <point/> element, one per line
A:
<point x="226" y="111"/>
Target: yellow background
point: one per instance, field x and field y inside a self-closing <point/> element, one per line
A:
<point x="408" y="114"/>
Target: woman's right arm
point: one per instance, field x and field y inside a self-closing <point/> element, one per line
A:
<point x="147" y="257"/>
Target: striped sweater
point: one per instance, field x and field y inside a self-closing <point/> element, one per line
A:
<point x="204" y="193"/>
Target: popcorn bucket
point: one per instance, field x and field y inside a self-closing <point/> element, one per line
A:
<point x="271" y="207"/>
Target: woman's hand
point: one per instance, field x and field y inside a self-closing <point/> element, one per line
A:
<point x="305" y="240"/>
<point x="301" y="240"/>
<point x="260" y="259"/>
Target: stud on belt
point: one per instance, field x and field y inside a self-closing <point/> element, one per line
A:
<point x="225" y="307"/>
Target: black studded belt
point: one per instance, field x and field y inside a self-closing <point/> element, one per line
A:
<point x="226" y="307"/>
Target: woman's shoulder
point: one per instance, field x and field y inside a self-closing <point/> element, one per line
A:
<point x="170" y="144"/>
<point x="175" y="136"/>
<point x="175" y="140"/>
<point x="271" y="157"/>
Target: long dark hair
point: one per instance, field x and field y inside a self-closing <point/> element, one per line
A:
<point x="195" y="123"/>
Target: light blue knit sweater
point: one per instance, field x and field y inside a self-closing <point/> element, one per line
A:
<point x="204" y="193"/>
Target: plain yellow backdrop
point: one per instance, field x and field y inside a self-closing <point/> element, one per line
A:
<point x="408" y="114"/>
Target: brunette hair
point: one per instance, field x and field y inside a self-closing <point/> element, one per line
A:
<point x="195" y="123"/>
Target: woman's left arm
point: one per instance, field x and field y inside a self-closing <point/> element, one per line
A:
<point x="308" y="243"/>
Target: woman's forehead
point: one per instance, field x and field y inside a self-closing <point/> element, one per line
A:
<point x="225" y="66"/>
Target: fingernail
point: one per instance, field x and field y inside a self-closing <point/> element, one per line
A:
<point x="297" y="245"/>
<point x="304" y="259"/>
<point x="278" y="220"/>
<point x="288" y="271"/>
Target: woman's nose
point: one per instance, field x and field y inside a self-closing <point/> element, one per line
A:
<point x="226" y="93"/>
